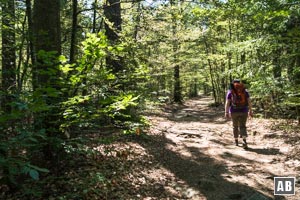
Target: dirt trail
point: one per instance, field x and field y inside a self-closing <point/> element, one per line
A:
<point x="197" y="159"/>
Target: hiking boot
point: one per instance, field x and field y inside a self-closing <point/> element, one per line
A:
<point x="236" y="143"/>
<point x="245" y="144"/>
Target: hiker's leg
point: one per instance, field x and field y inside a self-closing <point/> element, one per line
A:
<point x="236" y="140"/>
<point x="235" y="125"/>
<point x="242" y="124"/>
<point x="243" y="128"/>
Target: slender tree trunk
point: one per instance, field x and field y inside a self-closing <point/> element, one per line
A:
<point x="8" y="54"/>
<point x="177" y="88"/>
<point x="177" y="85"/>
<point x="74" y="30"/>
<point x="243" y="58"/>
<point x="30" y="49"/>
<point x="20" y="64"/>
<point x="137" y="20"/>
<point x="229" y="56"/>
<point x="277" y="68"/>
<point x="30" y="30"/>
<point x="211" y="71"/>
<point x="94" y="16"/>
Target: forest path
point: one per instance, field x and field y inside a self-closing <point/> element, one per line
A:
<point x="197" y="159"/>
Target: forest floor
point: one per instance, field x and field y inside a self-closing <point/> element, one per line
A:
<point x="189" y="153"/>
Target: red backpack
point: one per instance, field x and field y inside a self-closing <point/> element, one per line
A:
<point x="238" y="97"/>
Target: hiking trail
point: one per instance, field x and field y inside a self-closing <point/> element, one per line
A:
<point x="193" y="156"/>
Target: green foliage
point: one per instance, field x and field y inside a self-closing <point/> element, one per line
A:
<point x="24" y="135"/>
<point x="18" y="141"/>
<point x="116" y="105"/>
<point x="105" y="102"/>
<point x="83" y="111"/>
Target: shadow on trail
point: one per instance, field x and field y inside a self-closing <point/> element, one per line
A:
<point x="203" y="173"/>
<point x="264" y="151"/>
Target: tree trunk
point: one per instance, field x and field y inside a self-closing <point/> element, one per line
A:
<point x="47" y="43"/>
<point x="74" y="31"/>
<point x="8" y="54"/>
<point x="137" y="21"/>
<point x="277" y="68"/>
<point x="94" y="16"/>
<point x="112" y="12"/>
<point x="177" y="89"/>
<point x="30" y="49"/>
<point x="211" y="71"/>
<point x="46" y="28"/>
<point x="177" y="84"/>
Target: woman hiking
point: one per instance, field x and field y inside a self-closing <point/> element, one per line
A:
<point x="238" y="107"/>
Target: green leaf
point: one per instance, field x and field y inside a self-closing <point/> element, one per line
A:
<point x="62" y="59"/>
<point x="66" y="68"/>
<point x="25" y="169"/>
<point x="38" y="168"/>
<point x="34" y="174"/>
